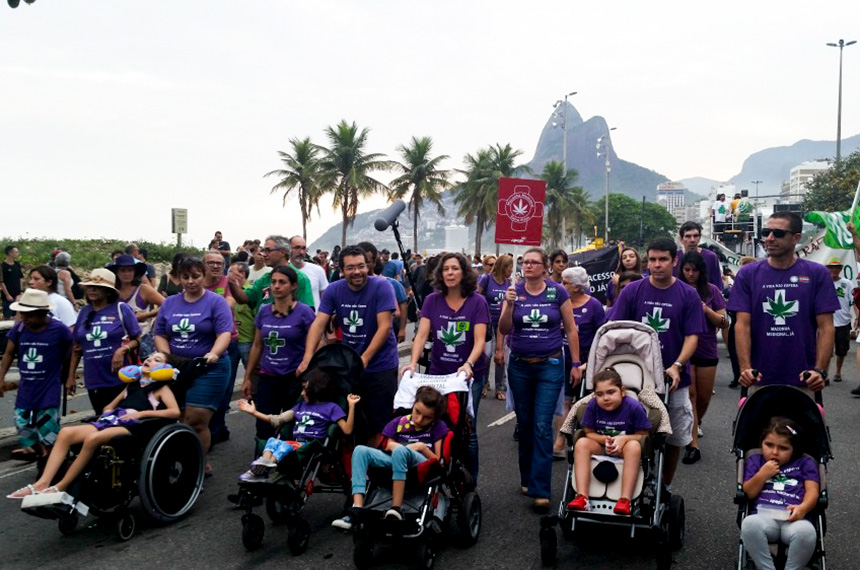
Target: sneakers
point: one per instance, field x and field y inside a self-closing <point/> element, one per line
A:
<point x="699" y="431"/>
<point x="251" y="477"/>
<point x="265" y="462"/>
<point x="837" y="377"/>
<point x="263" y="466"/>
<point x="856" y="392"/>
<point x="394" y="513"/>
<point x="622" y="507"/>
<point x="579" y="503"/>
<point x="691" y="455"/>
<point x="349" y="518"/>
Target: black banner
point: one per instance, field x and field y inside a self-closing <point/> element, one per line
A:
<point x="600" y="264"/>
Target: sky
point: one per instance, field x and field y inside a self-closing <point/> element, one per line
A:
<point x="112" y="113"/>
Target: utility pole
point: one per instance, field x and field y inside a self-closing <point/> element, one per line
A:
<point x="842" y="44"/>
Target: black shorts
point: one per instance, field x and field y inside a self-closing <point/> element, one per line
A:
<point x="377" y="391"/>
<point x="843" y="337"/>
<point x="704" y="362"/>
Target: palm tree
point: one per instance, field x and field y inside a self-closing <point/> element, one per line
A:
<point x="347" y="166"/>
<point x="558" y="203"/>
<point x="301" y="172"/>
<point x="421" y="174"/>
<point x="581" y="214"/>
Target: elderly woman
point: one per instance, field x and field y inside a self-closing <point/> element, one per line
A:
<point x="64" y="276"/>
<point x="100" y="333"/>
<point x="141" y="297"/>
<point x="44" y="278"/>
<point x="198" y="323"/>
<point x="493" y="286"/>
<point x="535" y="312"/>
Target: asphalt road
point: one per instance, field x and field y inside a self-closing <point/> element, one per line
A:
<point x="211" y="534"/>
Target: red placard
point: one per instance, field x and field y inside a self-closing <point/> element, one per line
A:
<point x="519" y="219"/>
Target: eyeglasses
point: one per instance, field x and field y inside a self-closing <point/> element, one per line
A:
<point x="777" y="233"/>
<point x="215" y="263"/>
<point x="489" y="264"/>
<point x="532" y="262"/>
<point x="271" y="249"/>
<point x="355" y="267"/>
<point x="299" y="246"/>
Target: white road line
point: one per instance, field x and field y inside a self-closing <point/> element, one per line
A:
<point x="16" y="471"/>
<point x="503" y="420"/>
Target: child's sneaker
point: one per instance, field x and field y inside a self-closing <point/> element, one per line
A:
<point x="579" y="503"/>
<point x="347" y="520"/>
<point x="394" y="513"/>
<point x="622" y="507"/>
<point x="265" y="462"/>
<point x="260" y="470"/>
<point x="251" y="477"/>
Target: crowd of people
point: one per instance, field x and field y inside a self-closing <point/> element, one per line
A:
<point x="525" y="328"/>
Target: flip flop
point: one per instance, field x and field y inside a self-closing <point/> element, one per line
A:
<point x="501" y="395"/>
<point x="24" y="454"/>
<point x="25" y="491"/>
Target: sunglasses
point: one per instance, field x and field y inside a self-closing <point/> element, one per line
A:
<point x="778" y="234"/>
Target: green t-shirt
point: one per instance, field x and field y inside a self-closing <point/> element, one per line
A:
<point x="260" y="293"/>
<point x="243" y="316"/>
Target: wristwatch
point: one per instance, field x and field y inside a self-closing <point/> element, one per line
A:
<point x="679" y="364"/>
<point x="822" y="372"/>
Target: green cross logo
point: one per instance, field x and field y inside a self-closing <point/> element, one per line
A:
<point x="656" y="321"/>
<point x="840" y="292"/>
<point x="451" y="337"/>
<point x="779" y="308"/>
<point x="781" y="481"/>
<point x="32" y="358"/>
<point x="535" y="318"/>
<point x="353" y="321"/>
<point x="184" y="328"/>
<point x="274" y="342"/>
<point x="97" y="336"/>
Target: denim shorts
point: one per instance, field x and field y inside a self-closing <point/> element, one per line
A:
<point x="208" y="389"/>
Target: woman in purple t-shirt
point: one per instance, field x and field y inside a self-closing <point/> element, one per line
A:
<point x="628" y="261"/>
<point x="455" y="320"/>
<point x="493" y="286"/>
<point x="703" y="364"/>
<point x="533" y="314"/>
<point x="281" y="329"/>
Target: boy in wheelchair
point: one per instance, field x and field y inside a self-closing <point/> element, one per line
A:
<point x="141" y="399"/>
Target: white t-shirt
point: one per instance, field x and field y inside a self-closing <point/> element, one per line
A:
<point x="319" y="281"/>
<point x="721" y="211"/>
<point x="63" y="310"/>
<point x="254" y="274"/>
<point x="844" y="290"/>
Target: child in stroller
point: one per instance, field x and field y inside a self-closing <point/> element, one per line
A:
<point x="313" y="416"/>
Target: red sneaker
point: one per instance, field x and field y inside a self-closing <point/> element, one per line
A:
<point x="579" y="503"/>
<point x="622" y="507"/>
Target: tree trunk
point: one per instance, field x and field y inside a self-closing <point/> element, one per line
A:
<point x="414" y="230"/>
<point x="345" y="222"/>
<point x="305" y="216"/>
<point x="479" y="232"/>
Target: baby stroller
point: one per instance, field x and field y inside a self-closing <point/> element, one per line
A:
<point x="753" y="417"/>
<point x="317" y="467"/>
<point x="162" y="462"/>
<point x="440" y="495"/>
<point x="633" y="350"/>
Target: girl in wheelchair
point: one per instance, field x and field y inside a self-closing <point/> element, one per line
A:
<point x="141" y="399"/>
<point x="313" y="416"/>
<point x="784" y="486"/>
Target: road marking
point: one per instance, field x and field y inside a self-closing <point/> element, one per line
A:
<point x="16" y="471"/>
<point x="503" y="419"/>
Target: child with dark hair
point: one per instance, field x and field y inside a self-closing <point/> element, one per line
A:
<point x="407" y="441"/>
<point x="313" y="416"/>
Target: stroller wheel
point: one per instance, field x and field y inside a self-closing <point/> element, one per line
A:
<point x="663" y="547"/>
<point x="362" y="552"/>
<point x="67" y="524"/>
<point x="677" y="522"/>
<point x="426" y="555"/>
<point x="548" y="546"/>
<point x="299" y="537"/>
<point x="125" y="526"/>
<point x="468" y="520"/>
<point x="276" y="510"/>
<point x="253" y="529"/>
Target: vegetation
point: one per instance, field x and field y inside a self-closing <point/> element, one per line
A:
<point x="627" y="217"/>
<point x="559" y="204"/>
<point x="301" y="172"/>
<point x="833" y="189"/>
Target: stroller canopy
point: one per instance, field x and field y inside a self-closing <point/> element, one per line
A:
<point x="340" y="362"/>
<point x="626" y="337"/>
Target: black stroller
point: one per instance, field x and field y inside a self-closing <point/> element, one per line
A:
<point x="318" y="467"/>
<point x="753" y="417"/>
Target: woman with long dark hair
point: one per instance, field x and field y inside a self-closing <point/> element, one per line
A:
<point x="169" y="284"/>
<point x="143" y="299"/>
<point x="629" y="260"/>
<point x="558" y="260"/>
<point x="44" y="278"/>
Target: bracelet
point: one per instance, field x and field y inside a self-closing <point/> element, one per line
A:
<point x="472" y="366"/>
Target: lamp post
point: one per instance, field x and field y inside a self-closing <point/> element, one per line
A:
<point x="840" y="45"/>
<point x="603" y="145"/>
<point x="563" y="105"/>
<point x="757" y="182"/>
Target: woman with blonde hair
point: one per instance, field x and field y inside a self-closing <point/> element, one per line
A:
<point x="493" y="286"/>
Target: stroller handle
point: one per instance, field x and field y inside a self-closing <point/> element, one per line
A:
<point x="816" y="394"/>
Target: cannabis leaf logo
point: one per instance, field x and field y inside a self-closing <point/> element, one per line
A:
<point x="274" y="342"/>
<point x="656" y="321"/>
<point x="451" y="337"/>
<point x="304" y="423"/>
<point x="781" y="481"/>
<point x="840" y="292"/>
<point x="520" y="208"/>
<point x="32" y="358"/>
<point x="535" y="318"/>
<point x="612" y="432"/>
<point x="184" y="327"/>
<point x="353" y="321"/>
<point x="779" y="308"/>
<point x="97" y="336"/>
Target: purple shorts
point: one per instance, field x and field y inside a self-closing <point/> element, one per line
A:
<point x="114" y="418"/>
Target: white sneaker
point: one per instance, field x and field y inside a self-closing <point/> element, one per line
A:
<point x="251" y="477"/>
<point x="345" y="522"/>
<point x="265" y="462"/>
<point x="700" y="432"/>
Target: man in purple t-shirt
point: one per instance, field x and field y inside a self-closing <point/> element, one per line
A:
<point x="690" y="234"/>
<point x="362" y="308"/>
<point x="674" y="310"/>
<point x="784" y="309"/>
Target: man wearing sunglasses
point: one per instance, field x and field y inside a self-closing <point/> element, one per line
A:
<point x="784" y="332"/>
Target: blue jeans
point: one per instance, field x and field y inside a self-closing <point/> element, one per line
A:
<point x="244" y="351"/>
<point x="217" y="423"/>
<point x="400" y="460"/>
<point x="476" y="387"/>
<point x="536" y="388"/>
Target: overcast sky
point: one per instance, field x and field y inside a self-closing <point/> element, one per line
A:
<point x="113" y="112"/>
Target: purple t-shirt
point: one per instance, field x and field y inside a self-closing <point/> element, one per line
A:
<point x="191" y="328"/>
<point x="588" y="319"/>
<point x="786" y="488"/>
<point x="537" y="321"/>
<point x="495" y="296"/>
<point x="626" y="419"/>
<point x="313" y="420"/>
<point x="101" y="339"/>
<point x="783" y="305"/>
<point x="674" y="312"/>
<point x="283" y="338"/>
<point x="707" y="347"/>
<point x="355" y="313"/>
<point x="453" y="332"/>
<point x="403" y="431"/>
<point x="712" y="264"/>
<point x="41" y="357"/>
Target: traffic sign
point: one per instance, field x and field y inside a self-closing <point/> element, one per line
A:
<point x="519" y="219"/>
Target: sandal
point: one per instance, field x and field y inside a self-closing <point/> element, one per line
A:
<point x="25" y="454"/>
<point x="25" y="491"/>
<point x="501" y="395"/>
<point x="484" y="392"/>
<point x="50" y="490"/>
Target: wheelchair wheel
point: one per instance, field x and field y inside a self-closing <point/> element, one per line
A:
<point x="253" y="529"/>
<point x="171" y="472"/>
<point x="67" y="524"/>
<point x="299" y="537"/>
<point x="426" y="554"/>
<point x="125" y="526"/>
<point x="548" y="546"/>
<point x="469" y="520"/>
<point x="677" y="522"/>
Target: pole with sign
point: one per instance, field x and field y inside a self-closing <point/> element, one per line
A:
<point x="519" y="219"/>
<point x="179" y="223"/>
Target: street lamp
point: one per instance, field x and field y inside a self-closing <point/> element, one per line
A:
<point x="603" y="144"/>
<point x="840" y="45"/>
<point x="563" y="105"/>
<point x="757" y="182"/>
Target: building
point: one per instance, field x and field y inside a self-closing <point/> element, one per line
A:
<point x="456" y="238"/>
<point x="801" y="174"/>
<point x="671" y="195"/>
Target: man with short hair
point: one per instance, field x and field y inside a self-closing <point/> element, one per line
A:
<point x="224" y="247"/>
<point x="690" y="234"/>
<point x="361" y="306"/>
<point x="674" y="310"/>
<point x="315" y="274"/>
<point x="275" y="251"/>
<point x="10" y="279"/>
<point x="784" y="332"/>
<point x="389" y="268"/>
